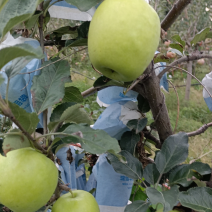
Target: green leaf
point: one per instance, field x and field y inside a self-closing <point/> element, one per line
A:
<point x="16" y="66"/>
<point x="62" y="31"/>
<point x="178" y="39"/>
<point x="200" y="36"/>
<point x="198" y="199"/>
<point x="137" y="206"/>
<point x="137" y="194"/>
<point x="143" y="104"/>
<point x="13" y="142"/>
<point x="174" y="151"/>
<point x="167" y="198"/>
<point x="49" y="87"/>
<point x="176" y="51"/>
<point x="15" y="12"/>
<point x="156" y="196"/>
<point x="82" y="38"/>
<point x="75" y="114"/>
<point x="93" y="141"/>
<point x="151" y="174"/>
<point x="128" y="141"/>
<point x="137" y="124"/>
<point x="30" y="23"/>
<point x="77" y="42"/>
<point x="2" y="4"/>
<point x="160" y="57"/>
<point x="58" y="111"/>
<point x="83" y="5"/>
<point x="171" y="197"/>
<point x="132" y="168"/>
<point x="20" y="50"/>
<point x="182" y="174"/>
<point x="72" y="94"/>
<point x="201" y="168"/>
<point x="177" y="46"/>
<point x="200" y="183"/>
<point x="28" y="121"/>
<point x="104" y="81"/>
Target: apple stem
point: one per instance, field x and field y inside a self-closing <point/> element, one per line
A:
<point x="71" y="193"/>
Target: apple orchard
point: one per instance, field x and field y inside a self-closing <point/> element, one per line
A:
<point x="60" y="151"/>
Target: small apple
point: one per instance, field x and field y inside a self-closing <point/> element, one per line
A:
<point x="171" y="54"/>
<point x="167" y="43"/>
<point x="123" y="37"/>
<point x="201" y="61"/>
<point x="81" y="201"/>
<point x="28" y="180"/>
<point x="200" y="43"/>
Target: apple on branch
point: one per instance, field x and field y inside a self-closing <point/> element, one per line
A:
<point x="28" y="180"/>
<point x="123" y="37"/>
<point x="171" y="54"/>
<point x="201" y="61"/>
<point x="77" y="201"/>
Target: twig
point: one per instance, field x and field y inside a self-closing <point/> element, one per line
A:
<point x="96" y="70"/>
<point x="201" y="156"/>
<point x="191" y="75"/>
<point x="53" y="62"/>
<point x="200" y="130"/>
<point x="26" y="84"/>
<point x="8" y="113"/>
<point x="178" y="105"/>
<point x="174" y="13"/>
<point x="89" y="92"/>
<point x="41" y="19"/>
<point x="148" y="135"/>
<point x="136" y="82"/>
<point x="183" y="59"/>
<point x="82" y="75"/>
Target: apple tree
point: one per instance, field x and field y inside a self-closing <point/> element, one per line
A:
<point x="162" y="184"/>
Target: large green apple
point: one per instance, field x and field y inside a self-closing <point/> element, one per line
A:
<point x="82" y="201"/>
<point x="123" y="37"/>
<point x="27" y="180"/>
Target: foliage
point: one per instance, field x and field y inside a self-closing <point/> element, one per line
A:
<point x="158" y="185"/>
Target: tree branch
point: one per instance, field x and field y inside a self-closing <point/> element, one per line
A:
<point x="148" y="135"/>
<point x="174" y="13"/>
<point x="200" y="130"/>
<point x="8" y="113"/>
<point x="184" y="59"/>
<point x="149" y="88"/>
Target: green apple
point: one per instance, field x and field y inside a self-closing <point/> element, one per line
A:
<point x="81" y="201"/>
<point x="27" y="180"/>
<point x="123" y="37"/>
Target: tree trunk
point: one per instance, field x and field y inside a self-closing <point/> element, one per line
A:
<point x="188" y="81"/>
<point x="150" y="89"/>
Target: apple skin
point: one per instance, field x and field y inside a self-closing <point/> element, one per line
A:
<point x="123" y="37"/>
<point x="83" y="201"/>
<point x="28" y="180"/>
<point x="201" y="61"/>
<point x="167" y="43"/>
<point x="171" y="54"/>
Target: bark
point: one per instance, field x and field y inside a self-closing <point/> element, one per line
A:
<point x="150" y="89"/>
<point x="174" y="13"/>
